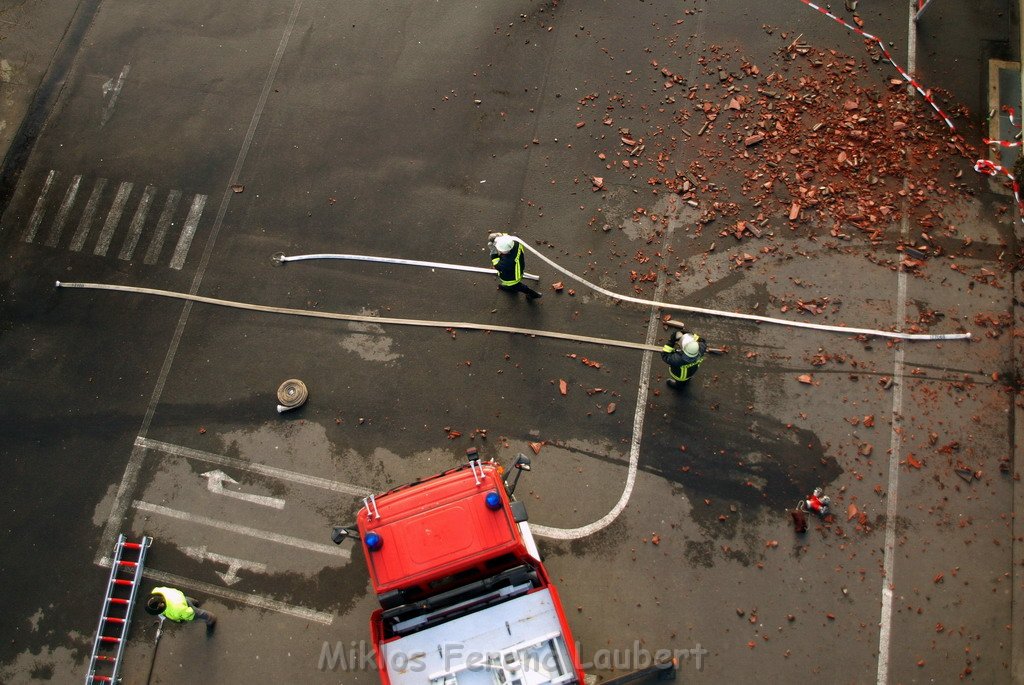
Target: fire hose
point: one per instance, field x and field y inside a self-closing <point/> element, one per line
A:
<point x="280" y="258"/>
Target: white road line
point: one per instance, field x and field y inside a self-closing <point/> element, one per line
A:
<point x="895" y="439"/>
<point x="138" y="221"/>
<point x="62" y="213"/>
<point x="653" y="324"/>
<point x="163" y="225"/>
<point x="330" y="550"/>
<point x="85" y="223"/>
<point x="129" y="481"/>
<point x="188" y="232"/>
<point x="113" y="218"/>
<point x="37" y="212"/>
<point x="116" y="88"/>
<point x="252" y="467"/>
<point x="249" y="599"/>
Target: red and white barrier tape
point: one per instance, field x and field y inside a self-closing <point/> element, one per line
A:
<point x="885" y="53"/>
<point x="1011" y="112"/>
<point x="982" y="166"/>
<point x="1001" y="143"/>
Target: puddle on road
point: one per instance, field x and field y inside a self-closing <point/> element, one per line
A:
<point x="369" y="341"/>
<point x="745" y="467"/>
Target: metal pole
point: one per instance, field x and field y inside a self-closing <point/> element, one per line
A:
<point x="156" y="644"/>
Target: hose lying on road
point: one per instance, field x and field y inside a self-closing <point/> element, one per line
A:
<point x="280" y="258"/>
<point x="360" y="318"/>
<point x="650" y="303"/>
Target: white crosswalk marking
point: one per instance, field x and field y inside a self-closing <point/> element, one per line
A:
<point x="113" y="218"/>
<point x="135" y="228"/>
<point x="62" y="213"/>
<point x="102" y="198"/>
<point x="37" y="213"/>
<point x="85" y="223"/>
<point x="162" y="226"/>
<point x="188" y="232"/>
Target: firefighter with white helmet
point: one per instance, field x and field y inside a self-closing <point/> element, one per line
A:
<point x="683" y="353"/>
<point x="509" y="259"/>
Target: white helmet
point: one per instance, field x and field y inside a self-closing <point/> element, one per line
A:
<point x="689" y="345"/>
<point x="504" y="243"/>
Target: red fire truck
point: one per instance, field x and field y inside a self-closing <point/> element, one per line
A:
<point x="464" y="597"/>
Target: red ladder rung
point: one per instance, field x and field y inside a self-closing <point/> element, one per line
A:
<point x="128" y="563"/>
<point x="117" y="600"/>
<point x="104" y="678"/>
<point x="103" y="657"/>
<point x="121" y="581"/>
<point x="131" y="545"/>
<point x="107" y="638"/>
<point x="113" y="619"/>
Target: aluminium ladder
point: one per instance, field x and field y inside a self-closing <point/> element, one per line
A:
<point x="122" y="592"/>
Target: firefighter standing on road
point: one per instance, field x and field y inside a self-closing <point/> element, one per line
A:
<point x="175" y="606"/>
<point x="683" y="353"/>
<point x="508" y="257"/>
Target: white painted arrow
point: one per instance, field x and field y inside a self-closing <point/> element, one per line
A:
<point x="215" y="483"/>
<point x="234" y="565"/>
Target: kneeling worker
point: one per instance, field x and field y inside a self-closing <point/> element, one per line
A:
<point x="174" y="605"/>
<point x="507" y="256"/>
<point x="683" y="354"/>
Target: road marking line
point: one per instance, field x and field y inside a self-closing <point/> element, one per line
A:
<point x="129" y="481"/>
<point x="250" y="599"/>
<point x="330" y="550"/>
<point x="653" y="324"/>
<point x="85" y="223"/>
<point x="895" y="439"/>
<point x="138" y="221"/>
<point x="252" y="467"/>
<point x="163" y="225"/>
<point x="37" y="212"/>
<point x="116" y="88"/>
<point x="62" y="213"/>
<point x="113" y="217"/>
<point x="188" y="232"/>
<point x="215" y="483"/>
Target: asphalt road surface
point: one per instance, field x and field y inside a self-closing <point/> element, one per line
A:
<point x="179" y="145"/>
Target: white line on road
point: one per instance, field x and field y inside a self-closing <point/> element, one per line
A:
<point x="215" y="483"/>
<point x="116" y="88"/>
<point x="37" y="212"/>
<point x="234" y="565"/>
<point x="188" y="232"/>
<point x="653" y="324"/>
<point x="253" y="600"/>
<point x="85" y="223"/>
<point x="113" y="218"/>
<point x="130" y="479"/>
<point x="263" y="470"/>
<point x="895" y="438"/>
<point x="138" y="221"/>
<point x="307" y="545"/>
<point x="163" y="224"/>
<point x="62" y="213"/>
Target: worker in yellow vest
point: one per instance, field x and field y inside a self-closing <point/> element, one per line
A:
<point x="509" y="260"/>
<point x="174" y="605"/>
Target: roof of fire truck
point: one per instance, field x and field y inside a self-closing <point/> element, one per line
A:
<point x="437" y="527"/>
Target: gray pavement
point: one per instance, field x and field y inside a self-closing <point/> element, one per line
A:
<point x="179" y="145"/>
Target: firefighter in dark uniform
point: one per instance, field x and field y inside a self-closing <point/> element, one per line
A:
<point x="509" y="258"/>
<point x="684" y="353"/>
